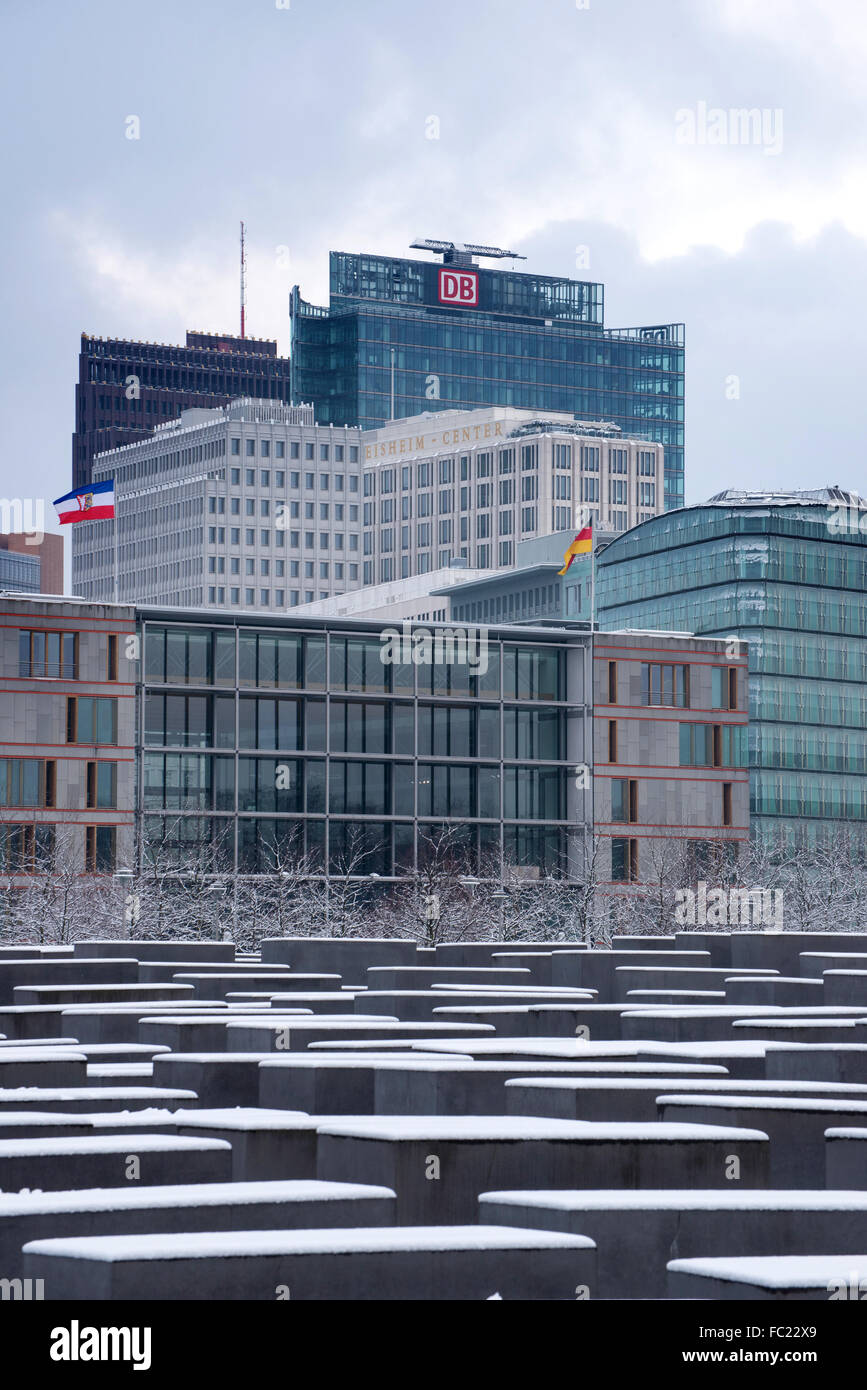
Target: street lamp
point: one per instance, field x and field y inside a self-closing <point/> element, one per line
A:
<point x="220" y="888"/>
<point x="129" y="901"/>
<point x="501" y="897"/>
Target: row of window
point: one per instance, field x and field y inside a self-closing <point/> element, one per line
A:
<point x="28" y="848"/>
<point x="703" y="856"/>
<point x="436" y="663"/>
<point x="204" y="721"/>
<point x="310" y="451"/>
<point x="362" y="848"/>
<point x="33" y="782"/>
<point x="668" y="684"/>
<point x="445" y="471"/>
<point x="54" y="655"/>
<point x="191" y="782"/>
<point x="217" y="536"/>
<point x="625" y="801"/>
<point x="283" y="511"/>
<point x="217" y="565"/>
<point x="701" y="745"/>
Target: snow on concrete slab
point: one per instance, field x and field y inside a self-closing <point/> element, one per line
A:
<point x="240" y="1244"/>
<point x="104" y="1144"/>
<point x="675" y="1199"/>
<point x="777" y="1271"/>
<point x="95" y="1093"/>
<point x="120" y="1069"/>
<point x="187" y="1194"/>
<point x="742" y="1101"/>
<point x="26" y="1053"/>
<point x="503" y="1129"/>
<point x="843" y="1024"/>
<point x="335" y="1058"/>
<point x="727" y="1086"/>
<point x="244" y="1118"/>
<point x="564" y="1048"/>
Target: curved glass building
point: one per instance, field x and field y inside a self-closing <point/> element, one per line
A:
<point x="787" y="574"/>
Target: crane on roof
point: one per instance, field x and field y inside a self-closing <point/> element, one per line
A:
<point x="461" y="253"/>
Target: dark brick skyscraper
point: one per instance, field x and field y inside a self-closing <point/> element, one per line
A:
<point x="210" y="370"/>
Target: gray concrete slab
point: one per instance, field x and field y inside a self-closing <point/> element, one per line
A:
<point x="796" y="1127"/>
<point x="226" y="1206"/>
<point x="438" y="1166"/>
<point x="846" y="1158"/>
<point x="109" y="1160"/>
<point x="637" y="1233"/>
<point x="778" y="1278"/>
<point x="450" y="1263"/>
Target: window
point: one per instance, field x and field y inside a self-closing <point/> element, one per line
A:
<point x="726" y="803"/>
<point x="99" y="852"/>
<point x="612" y="682"/>
<point x="48" y="654"/>
<point x="101" y="785"/>
<point x="236" y="449"/>
<point x="624" y="861"/>
<point x="612" y="740"/>
<point x="713" y="745"/>
<point x="624" y="799"/>
<point x="111" y="662"/>
<point x="26" y="848"/>
<point x="663" y="684"/>
<point x="27" y="781"/>
<point x="724" y="687"/>
<point x="235" y="473"/>
<point x="91" y="719"/>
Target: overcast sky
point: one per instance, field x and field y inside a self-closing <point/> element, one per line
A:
<point x="564" y="133"/>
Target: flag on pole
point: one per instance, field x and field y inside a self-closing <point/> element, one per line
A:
<point x="582" y="545"/>
<point x="95" y="502"/>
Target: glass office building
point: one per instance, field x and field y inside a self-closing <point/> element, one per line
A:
<point x="787" y="574"/>
<point x="257" y="737"/>
<point x="400" y="337"/>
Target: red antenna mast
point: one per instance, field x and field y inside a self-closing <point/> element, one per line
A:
<point x="243" y="284"/>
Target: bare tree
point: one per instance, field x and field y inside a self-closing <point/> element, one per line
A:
<point x="434" y="902"/>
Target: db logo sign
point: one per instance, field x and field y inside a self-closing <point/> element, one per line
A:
<point x="459" y="287"/>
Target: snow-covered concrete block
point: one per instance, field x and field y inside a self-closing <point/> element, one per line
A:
<point x="468" y="1262"/>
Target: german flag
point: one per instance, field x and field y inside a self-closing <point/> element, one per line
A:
<point x="582" y="545"/>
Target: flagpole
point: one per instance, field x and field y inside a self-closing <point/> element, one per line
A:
<point x="116" y="521"/>
<point x="592" y="577"/>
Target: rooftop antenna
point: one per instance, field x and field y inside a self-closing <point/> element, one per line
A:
<point x="243" y="284"/>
